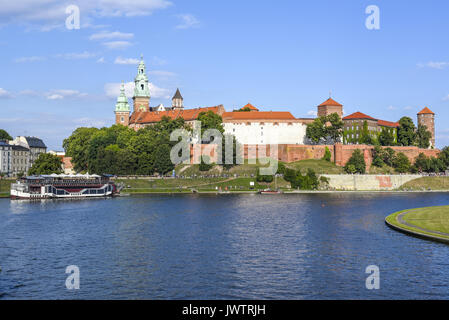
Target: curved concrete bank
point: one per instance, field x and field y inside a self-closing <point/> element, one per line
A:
<point x="396" y="222"/>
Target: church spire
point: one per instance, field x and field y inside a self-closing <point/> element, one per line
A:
<point x="177" y="100"/>
<point x="122" y="107"/>
<point x="141" y="88"/>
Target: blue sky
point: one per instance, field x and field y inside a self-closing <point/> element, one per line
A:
<point x="278" y="55"/>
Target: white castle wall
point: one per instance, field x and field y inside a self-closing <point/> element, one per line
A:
<point x="267" y="132"/>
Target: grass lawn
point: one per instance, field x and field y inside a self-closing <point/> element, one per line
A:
<point x="431" y="219"/>
<point x="426" y="183"/>
<point x="319" y="166"/>
<point x="383" y="170"/>
<point x="5" y="187"/>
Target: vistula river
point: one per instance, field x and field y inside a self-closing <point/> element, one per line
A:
<point x="301" y="246"/>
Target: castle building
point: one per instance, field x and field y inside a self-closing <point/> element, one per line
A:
<point x="329" y="107"/>
<point x="251" y="126"/>
<point x="144" y="115"/>
<point x="5" y="158"/>
<point x="427" y="117"/>
<point x="353" y="127"/>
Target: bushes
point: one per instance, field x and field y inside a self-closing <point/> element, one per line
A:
<point x="429" y="165"/>
<point x="356" y="163"/>
<point x="401" y="163"/>
<point x="264" y="178"/>
<point x="327" y="155"/>
<point x="298" y="181"/>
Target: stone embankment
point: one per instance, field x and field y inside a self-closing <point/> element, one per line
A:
<point x="369" y="182"/>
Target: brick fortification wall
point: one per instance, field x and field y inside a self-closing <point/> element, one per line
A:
<point x="340" y="154"/>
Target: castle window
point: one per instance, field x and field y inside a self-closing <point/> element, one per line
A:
<point x="142" y="86"/>
<point x="122" y="119"/>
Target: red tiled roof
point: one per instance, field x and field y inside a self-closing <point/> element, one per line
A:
<point x="251" y="107"/>
<point x="141" y="117"/>
<point x="330" y="102"/>
<point x="358" y="115"/>
<point x="270" y="115"/>
<point x="384" y="123"/>
<point x="426" y="111"/>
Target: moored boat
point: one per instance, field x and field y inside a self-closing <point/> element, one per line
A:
<point x="63" y="186"/>
<point x="269" y="191"/>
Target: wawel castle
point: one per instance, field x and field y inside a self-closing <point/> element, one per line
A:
<point x="253" y="126"/>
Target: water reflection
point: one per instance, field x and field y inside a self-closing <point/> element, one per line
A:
<point x="217" y="247"/>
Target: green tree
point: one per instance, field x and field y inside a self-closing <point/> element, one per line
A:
<point x="327" y="155"/>
<point x="324" y="128"/>
<point x="210" y="120"/>
<point x="162" y="162"/>
<point x="422" y="163"/>
<point x="236" y="151"/>
<point x="46" y="163"/>
<point x="203" y="165"/>
<point x="378" y="155"/>
<point x="4" y="135"/>
<point x="386" y="137"/>
<point x="358" y="161"/>
<point x="77" y="147"/>
<point x="365" y="136"/>
<point x="316" y="131"/>
<point x="406" y="132"/>
<point x="334" y="131"/>
<point x="388" y="156"/>
<point x="444" y="156"/>
<point x="423" y="137"/>
<point x="401" y="163"/>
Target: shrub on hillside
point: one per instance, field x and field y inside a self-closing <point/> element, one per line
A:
<point x="327" y="155"/>
<point x="356" y="163"/>
<point x="401" y="163"/>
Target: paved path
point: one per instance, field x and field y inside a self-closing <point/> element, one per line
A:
<point x="401" y="221"/>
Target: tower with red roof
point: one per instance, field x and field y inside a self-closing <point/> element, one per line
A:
<point x="330" y="106"/>
<point x="427" y="117"/>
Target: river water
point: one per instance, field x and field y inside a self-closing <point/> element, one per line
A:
<point x="299" y="246"/>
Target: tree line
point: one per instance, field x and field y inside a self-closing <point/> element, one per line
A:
<point x="399" y="161"/>
<point x="329" y="130"/>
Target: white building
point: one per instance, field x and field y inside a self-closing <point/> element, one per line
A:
<point x="257" y="127"/>
<point x="5" y="158"/>
<point x="35" y="145"/>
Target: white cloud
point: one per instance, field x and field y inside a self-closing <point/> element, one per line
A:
<point x="90" y="122"/>
<point x="29" y="59"/>
<point x="112" y="90"/>
<point x="408" y="108"/>
<point x="446" y="98"/>
<point x="312" y="113"/>
<point x="76" y="55"/>
<point x="117" y="44"/>
<point x="111" y="35"/>
<point x="187" y="21"/>
<point x="391" y="108"/>
<point x="63" y="94"/>
<point x="5" y="94"/>
<point x="120" y="60"/>
<point x="161" y="73"/>
<point x="434" y="65"/>
<point x="101" y="60"/>
<point x="50" y="14"/>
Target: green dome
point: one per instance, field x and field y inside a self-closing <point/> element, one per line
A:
<point x="122" y="101"/>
